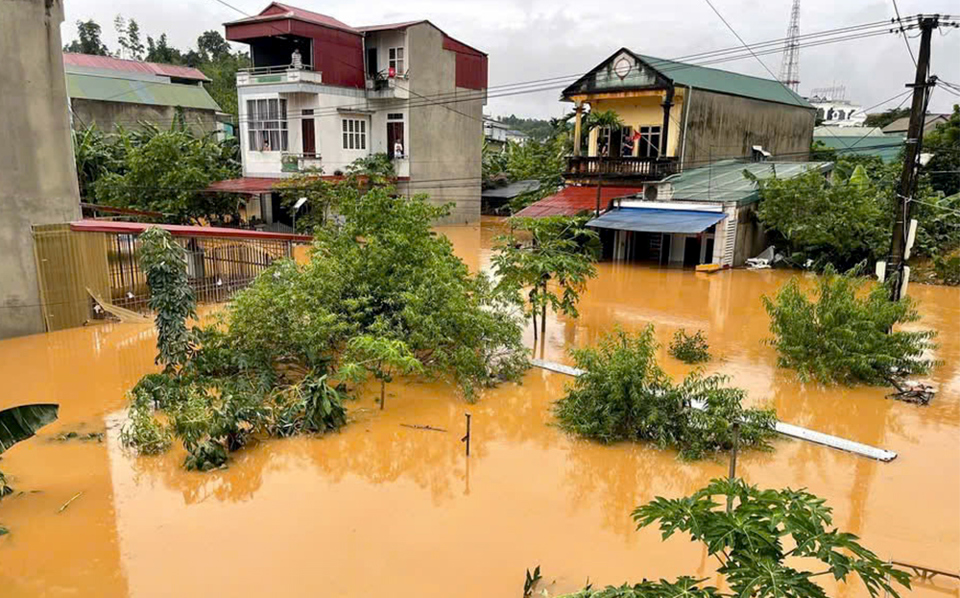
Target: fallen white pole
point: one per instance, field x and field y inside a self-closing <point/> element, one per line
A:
<point x="783" y="428"/>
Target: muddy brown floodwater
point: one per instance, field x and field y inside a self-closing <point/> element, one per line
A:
<point x="385" y="510"/>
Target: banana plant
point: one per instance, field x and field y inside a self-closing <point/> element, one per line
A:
<point x="20" y="423"/>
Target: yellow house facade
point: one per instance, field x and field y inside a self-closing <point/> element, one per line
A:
<point x="676" y="114"/>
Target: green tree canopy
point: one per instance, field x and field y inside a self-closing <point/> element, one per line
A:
<point x="840" y="334"/>
<point x="166" y="171"/>
<point x="88" y="40"/>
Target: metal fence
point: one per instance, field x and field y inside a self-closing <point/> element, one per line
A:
<point x="216" y="268"/>
<point x="78" y="267"/>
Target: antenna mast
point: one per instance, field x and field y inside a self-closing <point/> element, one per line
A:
<point x="790" y="66"/>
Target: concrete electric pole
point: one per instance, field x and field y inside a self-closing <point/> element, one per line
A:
<point x="911" y="157"/>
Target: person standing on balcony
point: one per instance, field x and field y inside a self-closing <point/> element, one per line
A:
<point x="398" y="150"/>
<point x="296" y="61"/>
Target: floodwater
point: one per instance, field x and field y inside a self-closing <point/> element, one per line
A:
<point x="383" y="509"/>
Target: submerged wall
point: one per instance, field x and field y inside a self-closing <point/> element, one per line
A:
<point x="38" y="182"/>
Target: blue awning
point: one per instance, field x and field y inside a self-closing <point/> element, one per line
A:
<point x="653" y="220"/>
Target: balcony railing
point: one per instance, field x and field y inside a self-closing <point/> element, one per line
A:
<point x="294" y="162"/>
<point x="278" y="74"/>
<point x="629" y="167"/>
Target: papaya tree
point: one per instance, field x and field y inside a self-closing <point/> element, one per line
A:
<point x="552" y="258"/>
<point x="18" y="424"/>
<point x="752" y="543"/>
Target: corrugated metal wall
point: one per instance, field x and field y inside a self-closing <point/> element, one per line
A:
<point x="68" y="264"/>
<point x="471" y="64"/>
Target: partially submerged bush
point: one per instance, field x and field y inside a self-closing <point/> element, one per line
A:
<point x="382" y="294"/>
<point x="840" y="335"/>
<point x="623" y="394"/>
<point x="690" y="348"/>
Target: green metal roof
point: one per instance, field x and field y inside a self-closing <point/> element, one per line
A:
<point x="138" y="91"/>
<point x="860" y="141"/>
<point x="701" y="77"/>
<point x="724" y="180"/>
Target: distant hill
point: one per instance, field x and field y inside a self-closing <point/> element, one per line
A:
<point x="534" y="127"/>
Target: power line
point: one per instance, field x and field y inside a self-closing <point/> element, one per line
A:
<point x="906" y="42"/>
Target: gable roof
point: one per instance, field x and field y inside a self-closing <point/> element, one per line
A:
<point x="391" y="26"/>
<point x="80" y="62"/>
<point x="902" y="125"/>
<point x="702" y="77"/>
<point x="277" y="11"/>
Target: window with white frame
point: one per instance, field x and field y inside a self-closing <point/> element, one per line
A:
<point x="354" y="134"/>
<point x="396" y="61"/>
<point x="267" y="125"/>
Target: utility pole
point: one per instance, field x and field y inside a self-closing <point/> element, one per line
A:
<point x="911" y="156"/>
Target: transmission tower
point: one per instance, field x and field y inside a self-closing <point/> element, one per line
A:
<point x="790" y="66"/>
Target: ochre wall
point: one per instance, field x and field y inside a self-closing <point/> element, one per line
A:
<point x="643" y="109"/>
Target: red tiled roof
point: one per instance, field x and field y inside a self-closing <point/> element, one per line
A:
<point x="180" y="230"/>
<point x="132" y="66"/>
<point x="570" y="201"/>
<point x="277" y="10"/>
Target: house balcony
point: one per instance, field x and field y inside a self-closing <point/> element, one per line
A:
<point x="278" y="75"/>
<point x="381" y="87"/>
<point x="629" y="168"/>
<point x="291" y="162"/>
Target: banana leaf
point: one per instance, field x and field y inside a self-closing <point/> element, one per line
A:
<point x="20" y="423"/>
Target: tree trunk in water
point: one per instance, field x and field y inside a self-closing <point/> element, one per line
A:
<point x="383" y="393"/>
<point x="543" y="315"/>
<point x="533" y="314"/>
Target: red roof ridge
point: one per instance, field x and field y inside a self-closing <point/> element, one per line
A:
<point x="293" y="12"/>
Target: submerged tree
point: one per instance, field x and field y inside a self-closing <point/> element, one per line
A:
<point x="842" y="335"/>
<point x="752" y="542"/>
<point x="623" y="394"/>
<point x="553" y="260"/>
<point x="381" y="356"/>
<point x="164" y="261"/>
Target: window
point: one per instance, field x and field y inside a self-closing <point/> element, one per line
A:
<point x="395" y="116"/>
<point x="354" y="134"/>
<point x="267" y="125"/>
<point x="396" y="61"/>
<point x="649" y="143"/>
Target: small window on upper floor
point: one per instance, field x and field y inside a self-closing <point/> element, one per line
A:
<point x="396" y="61"/>
<point x="354" y="134"/>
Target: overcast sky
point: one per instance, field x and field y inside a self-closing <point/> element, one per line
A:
<point x="536" y="39"/>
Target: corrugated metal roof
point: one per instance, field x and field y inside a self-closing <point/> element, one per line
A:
<point x="860" y="141"/>
<point x="391" y="26"/>
<point x="138" y="91"/>
<point x="724" y="180"/>
<point x="653" y="220"/>
<point x="276" y="10"/>
<point x="73" y="61"/>
<point x="512" y="190"/>
<point x="571" y="201"/>
<point x="702" y="77"/>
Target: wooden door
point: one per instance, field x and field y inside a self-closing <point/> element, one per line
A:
<point x="308" y="135"/>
